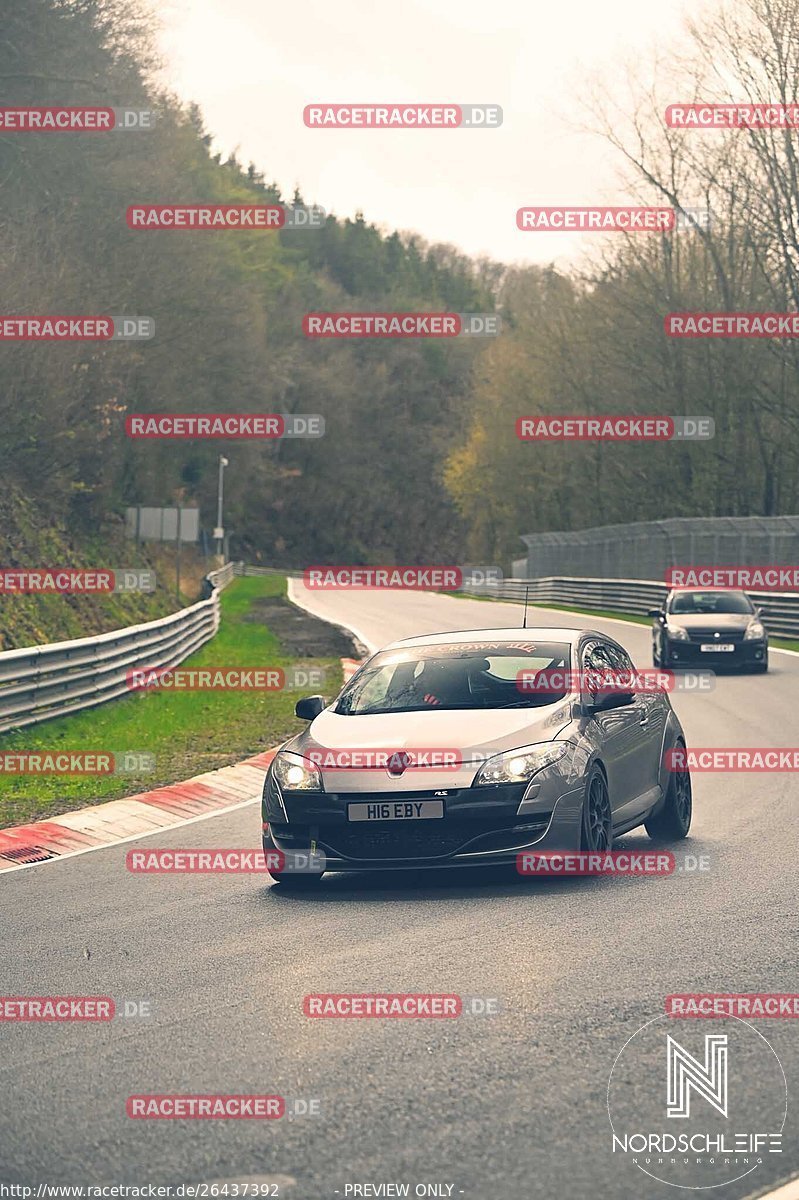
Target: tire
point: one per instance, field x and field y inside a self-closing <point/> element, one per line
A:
<point x="597" y="824"/>
<point x="657" y="657"/>
<point x="672" y="822"/>
<point x="297" y="881"/>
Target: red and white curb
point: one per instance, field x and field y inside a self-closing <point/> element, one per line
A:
<point x="72" y="833"/>
<point x="207" y="795"/>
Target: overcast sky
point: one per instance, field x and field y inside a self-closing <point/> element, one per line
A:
<point x="253" y="65"/>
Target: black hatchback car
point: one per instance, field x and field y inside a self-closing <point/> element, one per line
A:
<point x="717" y="627"/>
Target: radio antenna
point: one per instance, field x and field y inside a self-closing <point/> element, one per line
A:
<point x="526" y="596"/>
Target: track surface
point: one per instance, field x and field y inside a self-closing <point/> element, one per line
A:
<point x="503" y="1107"/>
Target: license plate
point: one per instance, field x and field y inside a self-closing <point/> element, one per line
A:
<point x="396" y="810"/>
<point x="715" y="647"/>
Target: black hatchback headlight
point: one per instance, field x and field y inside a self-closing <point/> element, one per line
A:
<point x="755" y="632"/>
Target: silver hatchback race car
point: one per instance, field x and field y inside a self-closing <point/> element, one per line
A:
<point x="469" y="748"/>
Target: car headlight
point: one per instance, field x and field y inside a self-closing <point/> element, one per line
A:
<point x="295" y="773"/>
<point x="518" y="766"/>
<point x="754" y="632"/>
<point x="677" y="633"/>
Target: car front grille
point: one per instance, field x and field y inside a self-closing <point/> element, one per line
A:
<point x="378" y="841"/>
<point x="709" y="635"/>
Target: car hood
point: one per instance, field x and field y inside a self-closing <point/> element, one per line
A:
<point x="472" y="735"/>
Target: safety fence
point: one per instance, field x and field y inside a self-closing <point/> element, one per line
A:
<point x="648" y="549"/>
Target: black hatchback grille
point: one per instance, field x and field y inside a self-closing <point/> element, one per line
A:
<point x="709" y="635"/>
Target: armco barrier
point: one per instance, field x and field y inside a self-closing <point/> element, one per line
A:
<point x="634" y="596"/>
<point x="40" y="682"/>
<point x="241" y="568"/>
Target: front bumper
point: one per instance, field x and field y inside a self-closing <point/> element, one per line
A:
<point x="691" y="654"/>
<point x="480" y="827"/>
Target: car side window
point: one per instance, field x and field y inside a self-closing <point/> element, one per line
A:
<point x="595" y="662"/>
<point x="623" y="667"/>
<point x="595" y="657"/>
<point x="620" y="659"/>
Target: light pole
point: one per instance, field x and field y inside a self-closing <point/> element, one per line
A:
<point x="219" y="532"/>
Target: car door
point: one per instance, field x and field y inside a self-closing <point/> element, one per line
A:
<point x="650" y="714"/>
<point x="621" y="736"/>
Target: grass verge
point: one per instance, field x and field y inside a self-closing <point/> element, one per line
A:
<point x="188" y="732"/>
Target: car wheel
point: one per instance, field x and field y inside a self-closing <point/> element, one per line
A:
<point x="597" y="831"/>
<point x="296" y="880"/>
<point x="674" y="819"/>
<point x="657" y="657"/>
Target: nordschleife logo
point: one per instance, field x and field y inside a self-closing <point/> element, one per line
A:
<point x="694" y="1109"/>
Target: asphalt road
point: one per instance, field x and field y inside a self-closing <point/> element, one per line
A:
<point x="507" y="1106"/>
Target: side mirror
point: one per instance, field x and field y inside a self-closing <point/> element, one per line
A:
<point x="309" y="707"/>
<point x="759" y="612"/>
<point x="656" y="612"/>
<point x="601" y="703"/>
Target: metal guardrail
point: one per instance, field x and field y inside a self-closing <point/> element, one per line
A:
<point x="41" y="682"/>
<point x="634" y="596"/>
<point x="241" y="568"/>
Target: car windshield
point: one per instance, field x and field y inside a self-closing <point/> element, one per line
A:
<point x="711" y="603"/>
<point x="461" y="675"/>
